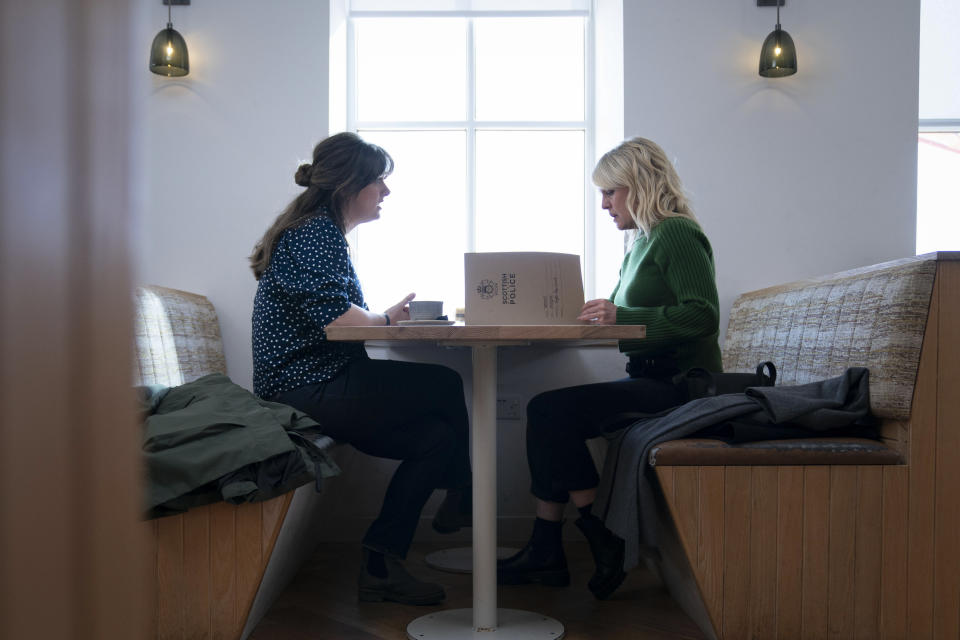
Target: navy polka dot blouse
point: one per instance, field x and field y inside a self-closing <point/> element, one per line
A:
<point x="309" y="283"/>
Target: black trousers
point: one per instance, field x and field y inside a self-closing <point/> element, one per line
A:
<point x="559" y="422"/>
<point x="403" y="411"/>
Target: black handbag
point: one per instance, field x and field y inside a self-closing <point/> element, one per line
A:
<point x="699" y="383"/>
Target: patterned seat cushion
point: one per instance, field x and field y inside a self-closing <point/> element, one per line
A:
<point x="870" y="317"/>
<point x="177" y="337"/>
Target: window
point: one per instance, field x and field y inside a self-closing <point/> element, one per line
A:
<point x="938" y="193"/>
<point x="485" y="108"/>
<point x="938" y="148"/>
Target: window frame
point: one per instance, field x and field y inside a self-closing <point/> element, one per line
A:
<point x="471" y="125"/>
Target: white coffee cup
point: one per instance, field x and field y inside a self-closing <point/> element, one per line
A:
<point x="426" y="309"/>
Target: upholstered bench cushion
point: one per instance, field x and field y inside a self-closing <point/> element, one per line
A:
<point x="177" y="337"/>
<point x="872" y="317"/>
<point x="803" y="451"/>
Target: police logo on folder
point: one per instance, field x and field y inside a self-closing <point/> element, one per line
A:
<point x="487" y="289"/>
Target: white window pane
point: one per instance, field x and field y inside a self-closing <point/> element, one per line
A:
<point x="529" y="68"/>
<point x="413" y="5"/>
<point x="530" y="191"/>
<point x="418" y="243"/>
<point x="939" y="82"/>
<point x="530" y="5"/>
<point x="938" y="192"/>
<point x="411" y="69"/>
<point x="470" y="5"/>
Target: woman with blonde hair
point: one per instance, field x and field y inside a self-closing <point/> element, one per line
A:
<point x="667" y="282"/>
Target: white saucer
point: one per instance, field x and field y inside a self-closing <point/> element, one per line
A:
<point x="423" y="323"/>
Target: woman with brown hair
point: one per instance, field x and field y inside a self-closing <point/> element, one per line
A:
<point x="405" y="411"/>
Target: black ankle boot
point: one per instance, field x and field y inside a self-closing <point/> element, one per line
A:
<point x="384" y="578"/>
<point x="608" y="551"/>
<point x="541" y="560"/>
<point x="455" y="512"/>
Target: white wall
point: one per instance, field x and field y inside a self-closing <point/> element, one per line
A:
<point x="791" y="177"/>
<point x="219" y="147"/>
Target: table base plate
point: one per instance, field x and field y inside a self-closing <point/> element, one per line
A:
<point x="460" y="559"/>
<point x="457" y="624"/>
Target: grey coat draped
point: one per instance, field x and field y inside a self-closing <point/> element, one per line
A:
<point x="625" y="499"/>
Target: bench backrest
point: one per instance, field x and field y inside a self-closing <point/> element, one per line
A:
<point x="872" y="317"/>
<point x="177" y="337"/>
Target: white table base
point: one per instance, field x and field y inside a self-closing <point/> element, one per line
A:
<point x="456" y="624"/>
<point x="484" y="616"/>
<point x="460" y="559"/>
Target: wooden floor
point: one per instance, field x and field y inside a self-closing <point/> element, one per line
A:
<point x="321" y="602"/>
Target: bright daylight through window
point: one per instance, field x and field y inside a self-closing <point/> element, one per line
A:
<point x="938" y="148"/>
<point x="486" y="117"/>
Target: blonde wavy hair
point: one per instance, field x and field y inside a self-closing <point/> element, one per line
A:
<point x="654" y="190"/>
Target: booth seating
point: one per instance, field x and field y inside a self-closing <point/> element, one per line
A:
<point x="216" y="569"/>
<point x="830" y="537"/>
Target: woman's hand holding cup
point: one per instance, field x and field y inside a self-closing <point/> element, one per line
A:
<point x="401" y="310"/>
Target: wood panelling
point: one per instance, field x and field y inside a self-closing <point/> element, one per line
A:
<point x="209" y="563"/>
<point x="946" y="558"/>
<point x="223" y="566"/>
<point x="816" y="550"/>
<point x="250" y="561"/>
<point x="868" y="553"/>
<point x="893" y="565"/>
<point x="762" y="599"/>
<point x="789" y="551"/>
<point x="170" y="579"/>
<point x="709" y="571"/>
<point x="840" y="564"/>
<point x="196" y="567"/>
<point x="686" y="494"/>
<point x="736" y="550"/>
<point x="844" y="551"/>
<point x="922" y="478"/>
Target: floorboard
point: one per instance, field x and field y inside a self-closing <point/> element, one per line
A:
<point x="321" y="602"/>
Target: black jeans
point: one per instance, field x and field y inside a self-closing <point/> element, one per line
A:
<point x="559" y="422"/>
<point x="403" y="411"/>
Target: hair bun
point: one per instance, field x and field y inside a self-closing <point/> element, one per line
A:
<point x="302" y="176"/>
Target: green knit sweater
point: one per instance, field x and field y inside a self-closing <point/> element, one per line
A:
<point x="667" y="282"/>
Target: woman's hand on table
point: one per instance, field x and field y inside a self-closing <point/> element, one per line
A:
<point x="401" y="310"/>
<point x="600" y="311"/>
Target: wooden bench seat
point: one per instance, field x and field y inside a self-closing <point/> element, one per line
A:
<point x="216" y="568"/>
<point x="810" y="539"/>
<point x="710" y="451"/>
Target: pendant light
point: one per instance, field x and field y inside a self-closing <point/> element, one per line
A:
<point x="168" y="54"/>
<point x="778" y="56"/>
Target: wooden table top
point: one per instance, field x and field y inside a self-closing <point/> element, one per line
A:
<point x="493" y="333"/>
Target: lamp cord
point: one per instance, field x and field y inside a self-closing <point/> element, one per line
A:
<point x="170" y="22"/>
<point x="778" y="14"/>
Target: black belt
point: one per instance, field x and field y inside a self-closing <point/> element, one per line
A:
<point x="657" y="368"/>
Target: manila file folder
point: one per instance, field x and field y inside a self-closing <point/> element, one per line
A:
<point x="522" y="288"/>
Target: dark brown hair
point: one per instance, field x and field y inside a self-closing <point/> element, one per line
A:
<point x="343" y="165"/>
